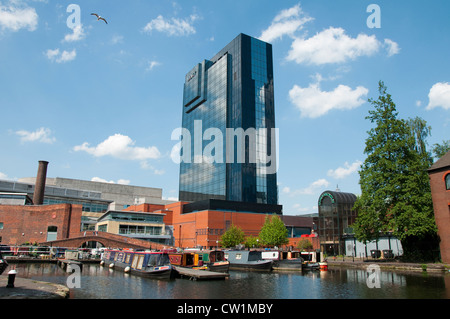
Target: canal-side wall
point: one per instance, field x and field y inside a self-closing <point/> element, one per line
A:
<point x="388" y="265"/>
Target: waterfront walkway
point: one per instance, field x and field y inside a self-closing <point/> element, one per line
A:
<point x="31" y="289"/>
<point x="386" y="264"/>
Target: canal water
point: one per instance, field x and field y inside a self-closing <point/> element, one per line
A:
<point x="97" y="282"/>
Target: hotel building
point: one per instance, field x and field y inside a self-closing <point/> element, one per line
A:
<point x="227" y="149"/>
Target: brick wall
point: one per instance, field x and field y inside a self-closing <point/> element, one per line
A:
<point x="441" y="205"/>
<point x="29" y="224"/>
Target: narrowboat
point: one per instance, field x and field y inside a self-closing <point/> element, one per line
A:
<point x="214" y="260"/>
<point x="3" y="264"/>
<point x="151" y="264"/>
<point x="313" y="262"/>
<point x="283" y="260"/>
<point x="187" y="260"/>
<point x="248" y="260"/>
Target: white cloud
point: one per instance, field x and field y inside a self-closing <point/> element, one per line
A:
<point x="101" y="180"/>
<point x="120" y="146"/>
<point x="286" y="190"/>
<point x="151" y="65"/>
<point x="42" y="135"/>
<point x="332" y="46"/>
<point x="300" y="209"/>
<point x="171" y="198"/>
<point x="3" y="176"/>
<point x="313" y="102"/>
<point x="342" y="172"/>
<point x="310" y="190"/>
<point x="287" y="22"/>
<point x="61" y="57"/>
<point x="147" y="166"/>
<point x="13" y="18"/>
<point x="77" y="34"/>
<point x="117" y="39"/>
<point x="174" y="26"/>
<point x="439" y="96"/>
<point x="392" y="47"/>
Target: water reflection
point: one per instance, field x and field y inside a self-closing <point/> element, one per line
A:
<point x="103" y="283"/>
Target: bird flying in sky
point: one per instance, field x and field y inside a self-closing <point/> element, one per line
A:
<point x="99" y="17"/>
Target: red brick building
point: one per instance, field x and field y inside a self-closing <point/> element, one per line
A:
<point x="439" y="174"/>
<point x="21" y="224"/>
<point x="205" y="227"/>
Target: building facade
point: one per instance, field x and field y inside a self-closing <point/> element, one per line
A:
<point x="228" y="145"/>
<point x="96" y="198"/>
<point x="336" y="215"/>
<point x="142" y="225"/>
<point x="439" y="174"/>
<point x="21" y="224"/>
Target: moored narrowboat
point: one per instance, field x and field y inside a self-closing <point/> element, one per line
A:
<point x="247" y="260"/>
<point x="214" y="260"/>
<point x="282" y="260"/>
<point x="187" y="260"/>
<point x="152" y="264"/>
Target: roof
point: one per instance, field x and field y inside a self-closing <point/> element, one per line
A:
<point x="110" y="212"/>
<point x="443" y="162"/>
<point x="297" y="221"/>
<point x="339" y="197"/>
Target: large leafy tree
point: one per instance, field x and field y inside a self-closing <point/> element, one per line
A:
<point x="395" y="191"/>
<point x="232" y="237"/>
<point x="273" y="232"/>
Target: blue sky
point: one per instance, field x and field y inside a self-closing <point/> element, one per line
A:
<point x="100" y="101"/>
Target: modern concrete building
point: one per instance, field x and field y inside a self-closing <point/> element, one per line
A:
<point x="141" y="225"/>
<point x="119" y="195"/>
<point x="96" y="198"/>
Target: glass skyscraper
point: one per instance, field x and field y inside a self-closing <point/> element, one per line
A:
<point x="228" y="142"/>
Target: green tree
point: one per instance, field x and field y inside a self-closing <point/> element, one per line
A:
<point x="440" y="150"/>
<point x="232" y="237"/>
<point x="395" y="191"/>
<point x="304" y="244"/>
<point x="273" y="232"/>
<point x="251" y="241"/>
<point x="420" y="131"/>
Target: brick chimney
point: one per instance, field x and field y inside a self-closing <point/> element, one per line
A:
<point x="39" y="187"/>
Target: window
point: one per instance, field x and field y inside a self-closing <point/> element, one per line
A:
<point x="52" y="233"/>
<point x="447" y="181"/>
<point x="1" y="225"/>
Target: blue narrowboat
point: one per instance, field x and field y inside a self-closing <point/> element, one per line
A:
<point x="247" y="260"/>
<point x="151" y="264"/>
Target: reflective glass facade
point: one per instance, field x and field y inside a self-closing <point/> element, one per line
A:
<point x="336" y="215"/>
<point x="230" y="93"/>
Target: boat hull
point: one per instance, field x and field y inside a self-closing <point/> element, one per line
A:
<point x="287" y="265"/>
<point x="147" y="264"/>
<point x="310" y="266"/>
<point x="167" y="273"/>
<point x="219" y="267"/>
<point x="163" y="272"/>
<point x="263" y="265"/>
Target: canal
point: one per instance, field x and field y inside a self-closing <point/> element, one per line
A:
<point x="97" y="282"/>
